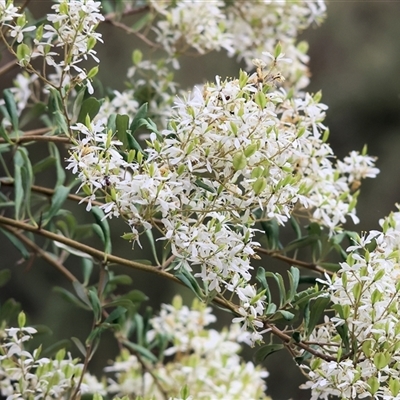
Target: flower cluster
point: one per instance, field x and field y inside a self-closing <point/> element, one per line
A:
<point x="257" y="26"/>
<point x="363" y="336"/>
<point x="24" y="374"/>
<point x="236" y="149"/>
<point x="8" y="12"/>
<point x="243" y="29"/>
<point x="150" y="83"/>
<point x="191" y="25"/>
<point x="204" y="360"/>
<point x="71" y="28"/>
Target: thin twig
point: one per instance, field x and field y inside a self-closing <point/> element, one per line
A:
<point x="38" y="131"/>
<point x="8" y="67"/>
<point x="293" y="261"/>
<point x="41" y="138"/>
<point x="155" y="379"/>
<point x="50" y="192"/>
<point x="129" y="30"/>
<point x="168" y="261"/>
<point x="287" y="340"/>
<point x="130" y="11"/>
<point x="42" y="253"/>
<point x="97" y="254"/>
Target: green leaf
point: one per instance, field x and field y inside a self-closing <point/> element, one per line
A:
<point x="136" y="296"/>
<point x="140" y="350"/>
<point x="287" y="315"/>
<point x="60" y="170"/>
<point x="332" y="267"/>
<point x="281" y="286"/>
<point x="81" y="293"/>
<point x="23" y="177"/>
<point x="264" y="351"/>
<point x="139" y="328"/>
<point x="115" y="314"/>
<point x="54" y="348"/>
<point x="295" y="226"/>
<point x="294" y="278"/>
<point x="133" y="144"/>
<point x="18" y="187"/>
<point x="90" y="107"/>
<point x="299" y="243"/>
<point x="9" y="311"/>
<point x="4" y="135"/>
<point x="152" y="243"/>
<point x="96" y="305"/>
<point x="35" y="112"/>
<point x="11" y="107"/>
<point x="5" y="276"/>
<point x="43" y="164"/>
<point x="126" y="304"/>
<point x="239" y="161"/>
<point x="57" y="200"/>
<point x="261" y="277"/>
<point x="77" y="106"/>
<point x="204" y="186"/>
<point x="72" y="250"/>
<point x="55" y="101"/>
<point x="139" y="118"/>
<point x="271" y="230"/>
<point x="343" y="332"/>
<point x="137" y="56"/>
<point x="102" y="222"/>
<point x="301" y="299"/>
<point x="23" y="54"/>
<point x="138" y="25"/>
<point x="68" y="296"/>
<point x="61" y="123"/>
<point x="17" y="243"/>
<point x="121" y="127"/>
<point x="81" y="347"/>
<point x="189" y="281"/>
<point x="303" y="358"/>
<point x="120" y="280"/>
<point x="317" y="307"/>
<point x="260" y="99"/>
<point x="87" y="268"/>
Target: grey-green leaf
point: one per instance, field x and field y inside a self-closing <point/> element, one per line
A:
<point x="264" y="351"/>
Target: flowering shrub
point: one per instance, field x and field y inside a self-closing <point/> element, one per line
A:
<point x="205" y="178"/>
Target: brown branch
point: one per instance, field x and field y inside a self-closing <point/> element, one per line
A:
<point x="8" y="67"/>
<point x="287" y="340"/>
<point x="59" y="266"/>
<point x="26" y="2"/>
<point x="293" y="261"/>
<point x="41" y="138"/>
<point x="130" y="11"/>
<point x="129" y="30"/>
<point x="50" y="192"/>
<point x="168" y="261"/>
<point x="39" y="131"/>
<point x="97" y="254"/>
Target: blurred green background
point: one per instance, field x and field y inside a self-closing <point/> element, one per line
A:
<point x="355" y="61"/>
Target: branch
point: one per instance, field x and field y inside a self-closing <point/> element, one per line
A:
<point x="129" y="11"/>
<point x="127" y="29"/>
<point x="97" y="254"/>
<point x="8" y="67"/>
<point x="293" y="261"/>
<point x="287" y="340"/>
<point x="42" y="253"/>
<point x="30" y="138"/>
<point x="50" y="192"/>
